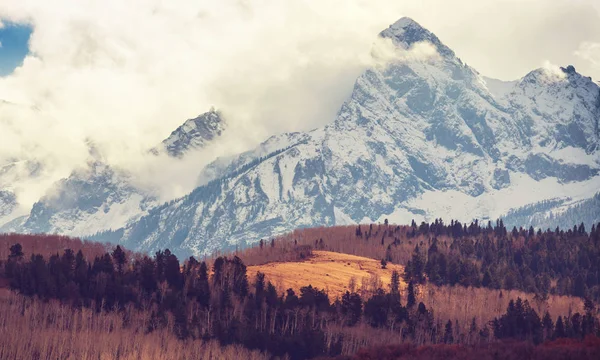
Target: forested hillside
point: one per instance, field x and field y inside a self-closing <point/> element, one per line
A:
<point x="462" y="284"/>
<point x="555" y="261"/>
<point x="47" y="245"/>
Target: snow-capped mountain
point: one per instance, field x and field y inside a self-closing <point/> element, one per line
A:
<point x="421" y="137"/>
<point x="91" y="199"/>
<point x="99" y="197"/>
<point x="560" y="110"/>
<point x="195" y="133"/>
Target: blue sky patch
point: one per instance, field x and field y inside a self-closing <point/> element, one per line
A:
<point x="14" y="40"/>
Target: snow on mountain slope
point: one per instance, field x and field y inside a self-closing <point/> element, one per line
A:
<point x="195" y="133"/>
<point x="499" y="88"/>
<point x="100" y="197"/>
<point x="558" y="105"/>
<point x="563" y="213"/>
<point x="422" y="136"/>
<point x="92" y="199"/>
<point x="523" y="192"/>
<point x="560" y="110"/>
<point x="223" y="166"/>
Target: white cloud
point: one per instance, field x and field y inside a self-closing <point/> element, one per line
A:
<point x="126" y="73"/>
<point x="555" y="73"/>
<point x="589" y="51"/>
<point x="385" y="52"/>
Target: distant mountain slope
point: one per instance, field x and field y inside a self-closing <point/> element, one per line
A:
<point x="552" y="213"/>
<point x="424" y="127"/>
<point x="90" y="200"/>
<point x="99" y="197"/>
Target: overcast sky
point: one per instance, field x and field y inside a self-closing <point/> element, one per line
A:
<point x="126" y="73"/>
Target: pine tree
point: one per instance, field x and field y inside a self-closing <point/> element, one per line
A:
<point x="559" y="329"/>
<point x="448" y="334"/>
<point x="203" y="290"/>
<point x="259" y="288"/>
<point x="415" y="267"/>
<point x="16" y="252"/>
<point x="579" y="286"/>
<point x="548" y="326"/>
<point x="395" y="283"/>
<point x="119" y="258"/>
<point x="358" y="231"/>
<point x="581" y="229"/>
<point x="487" y="279"/>
<point x="172" y="271"/>
<point x="473" y="329"/>
<point x="411" y="300"/>
<point x="351" y="307"/>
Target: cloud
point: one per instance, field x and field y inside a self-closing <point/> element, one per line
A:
<point x="126" y="73"/>
<point x="385" y="52"/>
<point x="553" y="71"/>
<point x="590" y="52"/>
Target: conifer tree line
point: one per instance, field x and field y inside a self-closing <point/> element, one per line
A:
<point x="550" y="262"/>
<point x="541" y="262"/>
<point x="199" y="301"/>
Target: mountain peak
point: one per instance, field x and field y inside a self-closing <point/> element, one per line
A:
<point x="569" y="69"/>
<point x="194" y="133"/>
<point x="406" y="32"/>
<point x="404" y="23"/>
<point x="554" y="74"/>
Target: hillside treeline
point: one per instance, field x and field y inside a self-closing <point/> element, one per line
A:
<point x="49" y="244"/>
<point x="550" y="262"/>
<point x="201" y="301"/>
